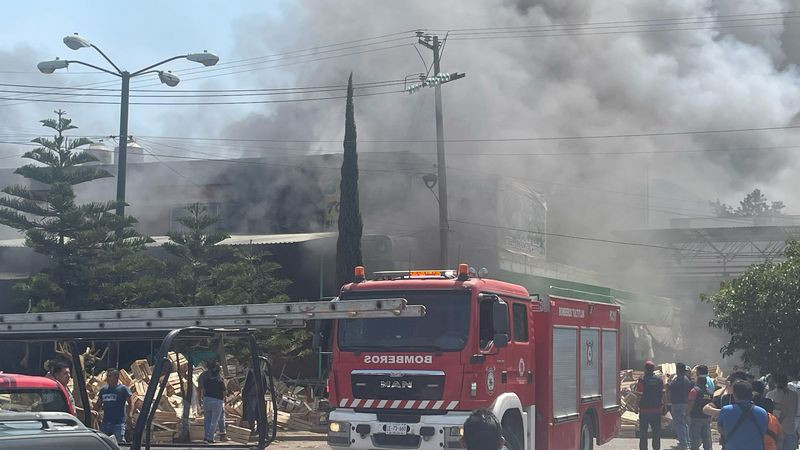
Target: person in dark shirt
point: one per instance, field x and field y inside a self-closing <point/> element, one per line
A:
<point x="679" y="388"/>
<point x="112" y="399"/>
<point x="759" y="397"/>
<point x="650" y="389"/>
<point x="250" y="398"/>
<point x="211" y="390"/>
<point x="700" y="426"/>
<point x="482" y="431"/>
<point x="724" y="398"/>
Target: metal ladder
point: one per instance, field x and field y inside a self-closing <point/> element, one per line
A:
<point x="155" y="321"/>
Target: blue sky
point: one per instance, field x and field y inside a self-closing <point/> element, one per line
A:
<point x="153" y="30"/>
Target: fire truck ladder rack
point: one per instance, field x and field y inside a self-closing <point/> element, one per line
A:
<point x="159" y="321"/>
<point x="183" y="323"/>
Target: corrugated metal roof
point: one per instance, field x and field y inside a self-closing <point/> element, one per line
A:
<point x="244" y="239"/>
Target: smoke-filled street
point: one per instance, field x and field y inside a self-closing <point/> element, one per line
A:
<point x="530" y="224"/>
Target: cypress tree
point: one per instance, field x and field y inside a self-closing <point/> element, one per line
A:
<point x="348" y="244"/>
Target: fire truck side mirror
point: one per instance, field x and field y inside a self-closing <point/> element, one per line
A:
<point x="500" y="323"/>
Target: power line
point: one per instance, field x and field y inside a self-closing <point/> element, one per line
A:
<point x="220" y="93"/>
<point x="106" y="83"/>
<point x="248" y="102"/>
<point x="77" y="88"/>
<point x="722" y="16"/>
<point x="662" y="30"/>
<point x="621" y="25"/>
<point x="499" y="139"/>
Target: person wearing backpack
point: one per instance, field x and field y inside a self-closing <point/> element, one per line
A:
<point x="743" y="424"/>
<point x="650" y="390"/>
<point x="699" y="423"/>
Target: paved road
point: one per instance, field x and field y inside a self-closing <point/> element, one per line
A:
<point x="616" y="444"/>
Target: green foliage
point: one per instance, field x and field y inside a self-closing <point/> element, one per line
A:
<point x="204" y="273"/>
<point x="760" y="309"/>
<point x="754" y="204"/>
<point x="348" y="244"/>
<point x="75" y="237"/>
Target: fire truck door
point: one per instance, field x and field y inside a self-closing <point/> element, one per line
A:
<point x="493" y="340"/>
<point x="519" y="367"/>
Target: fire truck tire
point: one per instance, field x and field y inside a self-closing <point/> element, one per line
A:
<point x="513" y="437"/>
<point x="587" y="434"/>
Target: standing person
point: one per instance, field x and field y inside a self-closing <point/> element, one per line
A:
<point x="60" y="371"/>
<point x="702" y="371"/>
<point x="785" y="410"/>
<point x="679" y="388"/>
<point x="759" y="397"/>
<point x="112" y="400"/>
<point x="700" y="425"/>
<point x="650" y="390"/>
<point x="211" y="391"/>
<point x="743" y="424"/>
<point x="773" y="439"/>
<point x="482" y="431"/>
<point x="250" y="398"/>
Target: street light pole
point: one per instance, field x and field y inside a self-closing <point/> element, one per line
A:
<point x="76" y="42"/>
<point x="122" y="154"/>
<point x="444" y="226"/>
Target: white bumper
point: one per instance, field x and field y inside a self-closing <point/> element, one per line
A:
<point x="376" y="439"/>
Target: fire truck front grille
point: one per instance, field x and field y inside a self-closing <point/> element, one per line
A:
<point x="396" y="441"/>
<point x="398" y="385"/>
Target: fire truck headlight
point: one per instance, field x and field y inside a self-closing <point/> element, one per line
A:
<point x="339" y="433"/>
<point x="453" y="437"/>
<point x="473" y="389"/>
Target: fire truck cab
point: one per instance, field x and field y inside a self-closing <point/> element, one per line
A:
<point x="547" y="367"/>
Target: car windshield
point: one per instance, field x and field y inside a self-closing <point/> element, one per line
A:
<point x="32" y="400"/>
<point x="443" y="328"/>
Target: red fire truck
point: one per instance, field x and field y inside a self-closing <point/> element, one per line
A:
<point x="548" y="367"/>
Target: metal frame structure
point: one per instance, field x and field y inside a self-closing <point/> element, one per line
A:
<point x="182" y="323"/>
<point x="717" y="251"/>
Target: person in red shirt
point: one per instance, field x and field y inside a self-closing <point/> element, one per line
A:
<point x="650" y="390"/>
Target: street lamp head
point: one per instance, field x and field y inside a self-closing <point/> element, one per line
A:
<point x="169" y="78"/>
<point x="205" y="58"/>
<point x="52" y="66"/>
<point x="75" y="41"/>
<point x="430" y="180"/>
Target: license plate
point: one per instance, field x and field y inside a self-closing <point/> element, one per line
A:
<point x="396" y="428"/>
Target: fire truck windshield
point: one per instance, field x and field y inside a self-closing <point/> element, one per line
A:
<point x="443" y="328"/>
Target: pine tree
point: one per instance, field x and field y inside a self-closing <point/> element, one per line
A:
<point x="197" y="253"/>
<point x="71" y="235"/>
<point x="348" y="244"/>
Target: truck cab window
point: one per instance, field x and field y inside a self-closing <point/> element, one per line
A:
<point x="520" y="317"/>
<point x="486" y="332"/>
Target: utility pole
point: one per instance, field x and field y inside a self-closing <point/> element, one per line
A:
<point x="433" y="43"/>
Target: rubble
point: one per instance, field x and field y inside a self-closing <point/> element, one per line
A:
<point x="296" y="411"/>
<point x="630" y="401"/>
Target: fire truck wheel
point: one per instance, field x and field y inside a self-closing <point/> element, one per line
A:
<point x="513" y="437"/>
<point x="587" y="435"/>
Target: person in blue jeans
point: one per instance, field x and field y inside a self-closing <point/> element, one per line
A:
<point x="112" y="399"/>
<point x="743" y="424"/>
<point x="211" y="390"/>
<point x="679" y="388"/>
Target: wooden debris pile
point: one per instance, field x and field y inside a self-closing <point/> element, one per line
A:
<point x="296" y="410"/>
